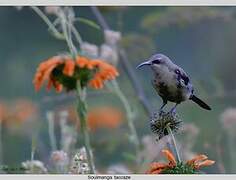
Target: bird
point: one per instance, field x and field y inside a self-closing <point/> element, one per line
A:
<point x="171" y="82"/>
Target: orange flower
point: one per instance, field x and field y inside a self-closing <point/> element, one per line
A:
<point x="22" y="111"/>
<point x="69" y="67"/>
<point x="3" y="112"/>
<point x="104" y="117"/>
<point x="195" y="163"/>
<point x="100" y="117"/>
<point x="170" y="157"/>
<point x="200" y="161"/>
<point x="105" y="71"/>
<point x="44" y="71"/>
<point x="157" y="167"/>
<point x="14" y="114"/>
<point x="100" y="69"/>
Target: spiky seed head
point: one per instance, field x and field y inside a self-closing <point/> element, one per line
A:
<point x="159" y="122"/>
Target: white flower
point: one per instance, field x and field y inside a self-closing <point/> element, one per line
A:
<point x="109" y="54"/>
<point x="59" y="158"/>
<point x="52" y="9"/>
<point x="34" y="167"/>
<point x="112" y="37"/>
<point x="79" y="163"/>
<point x="191" y="129"/>
<point x="228" y="119"/>
<point x="90" y="50"/>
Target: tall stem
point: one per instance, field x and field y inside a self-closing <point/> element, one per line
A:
<point x="33" y="146"/>
<point x="50" y="118"/>
<point x="66" y="28"/>
<point x="173" y="142"/>
<point x="48" y="22"/>
<point x="231" y="143"/>
<point x="130" y="118"/>
<point x="1" y="160"/>
<point x="82" y="113"/>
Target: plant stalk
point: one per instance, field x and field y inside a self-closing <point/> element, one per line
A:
<point x="231" y="145"/>
<point x="33" y="146"/>
<point x="173" y="142"/>
<point x="50" y="118"/>
<point x="48" y="22"/>
<point x="1" y="159"/>
<point x="82" y="113"/>
<point x="130" y="118"/>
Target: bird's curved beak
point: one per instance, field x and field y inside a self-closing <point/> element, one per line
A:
<point x="143" y="64"/>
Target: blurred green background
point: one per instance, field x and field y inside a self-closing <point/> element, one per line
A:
<point x="200" y="39"/>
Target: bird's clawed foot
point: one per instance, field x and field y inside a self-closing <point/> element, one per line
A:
<point x="161" y="112"/>
<point x="173" y="111"/>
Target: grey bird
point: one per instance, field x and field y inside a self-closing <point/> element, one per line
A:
<point x="171" y="82"/>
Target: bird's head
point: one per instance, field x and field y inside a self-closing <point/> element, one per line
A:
<point x="156" y="61"/>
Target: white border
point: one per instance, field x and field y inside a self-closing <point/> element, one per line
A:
<point x="120" y="2"/>
<point x="132" y="177"/>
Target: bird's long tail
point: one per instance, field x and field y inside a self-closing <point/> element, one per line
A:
<point x="199" y="102"/>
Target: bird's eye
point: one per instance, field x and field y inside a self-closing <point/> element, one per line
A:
<point x="177" y="71"/>
<point x="156" y="61"/>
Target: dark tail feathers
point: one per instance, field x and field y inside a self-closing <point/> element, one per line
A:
<point x="199" y="102"/>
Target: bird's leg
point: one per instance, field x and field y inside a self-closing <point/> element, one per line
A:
<point x="163" y="105"/>
<point x="173" y="109"/>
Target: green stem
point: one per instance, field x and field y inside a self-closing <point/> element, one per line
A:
<point x="130" y="118"/>
<point x="66" y="25"/>
<point x="1" y="159"/>
<point x="33" y="146"/>
<point x="231" y="146"/>
<point x="76" y="34"/>
<point x="82" y="113"/>
<point x="50" y="118"/>
<point x="48" y="22"/>
<point x="173" y="142"/>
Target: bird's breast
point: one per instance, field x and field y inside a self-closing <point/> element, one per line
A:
<point x="168" y="87"/>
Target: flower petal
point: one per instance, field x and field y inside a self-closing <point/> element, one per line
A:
<point x="44" y="71"/>
<point x="82" y="61"/>
<point x="169" y="156"/>
<point x="156" y="168"/>
<point x="197" y="158"/>
<point x="69" y="67"/>
<point x="204" y="163"/>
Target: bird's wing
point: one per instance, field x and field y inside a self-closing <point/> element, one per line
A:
<point x="184" y="77"/>
<point x="184" y="81"/>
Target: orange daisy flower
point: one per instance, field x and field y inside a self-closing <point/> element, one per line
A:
<point x="105" y="71"/>
<point x="200" y="161"/>
<point x="97" y="118"/>
<point x="62" y="71"/>
<point x="21" y="111"/>
<point x="3" y="112"/>
<point x="44" y="71"/>
<point x="104" y="117"/>
<point x="191" y="166"/>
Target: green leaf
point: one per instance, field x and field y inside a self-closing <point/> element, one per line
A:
<point x="88" y="22"/>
